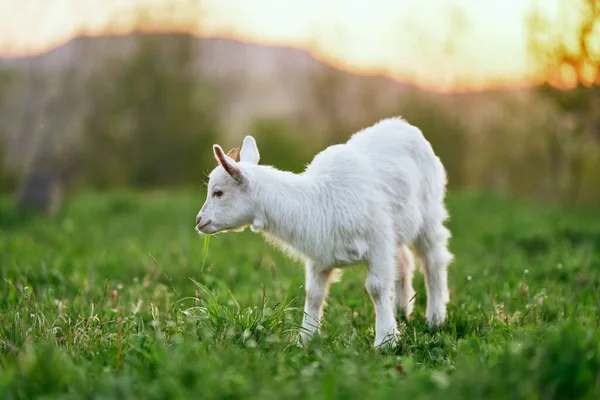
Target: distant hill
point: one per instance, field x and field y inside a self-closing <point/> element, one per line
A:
<point x="49" y="92"/>
<point x="255" y="80"/>
<point x="258" y="78"/>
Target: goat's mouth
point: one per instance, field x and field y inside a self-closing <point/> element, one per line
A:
<point x="202" y="228"/>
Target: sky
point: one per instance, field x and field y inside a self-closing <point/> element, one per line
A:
<point x="438" y="44"/>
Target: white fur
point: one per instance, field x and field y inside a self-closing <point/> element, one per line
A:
<point x="364" y="200"/>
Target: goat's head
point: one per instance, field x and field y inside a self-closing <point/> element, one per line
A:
<point x="228" y="203"/>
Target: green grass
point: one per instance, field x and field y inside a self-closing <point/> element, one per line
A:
<point x="109" y="299"/>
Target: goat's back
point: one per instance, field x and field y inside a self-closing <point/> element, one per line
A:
<point x="397" y="150"/>
<point x="403" y="171"/>
<point x="385" y="180"/>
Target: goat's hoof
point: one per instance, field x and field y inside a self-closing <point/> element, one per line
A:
<point x="436" y="321"/>
<point x="436" y="315"/>
<point x="387" y="342"/>
<point x="406" y="311"/>
<point x="304" y="339"/>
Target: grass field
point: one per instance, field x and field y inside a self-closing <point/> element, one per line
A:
<point x="110" y="299"/>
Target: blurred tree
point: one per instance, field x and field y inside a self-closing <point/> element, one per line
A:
<point x="282" y="145"/>
<point x="154" y="118"/>
<point x="445" y="131"/>
<point x="567" y="53"/>
<point x="341" y="103"/>
<point x="48" y="163"/>
<point x="6" y="179"/>
<point x="328" y="87"/>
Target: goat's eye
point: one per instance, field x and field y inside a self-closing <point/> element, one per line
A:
<point x="217" y="193"/>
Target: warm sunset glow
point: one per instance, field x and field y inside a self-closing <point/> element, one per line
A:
<point x="438" y="44"/>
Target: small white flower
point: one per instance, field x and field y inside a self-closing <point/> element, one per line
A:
<point x="526" y="271"/>
<point x="469" y="278"/>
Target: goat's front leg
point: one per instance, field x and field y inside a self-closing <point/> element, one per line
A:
<point x="317" y="287"/>
<point x="380" y="284"/>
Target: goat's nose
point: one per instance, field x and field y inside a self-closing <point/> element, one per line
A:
<point x="198" y="219"/>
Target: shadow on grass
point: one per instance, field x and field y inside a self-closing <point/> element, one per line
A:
<point x="12" y="217"/>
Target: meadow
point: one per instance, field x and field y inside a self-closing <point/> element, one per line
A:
<point x="115" y="297"/>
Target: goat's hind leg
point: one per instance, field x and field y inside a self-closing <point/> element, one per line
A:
<point x="432" y="246"/>
<point x="405" y="294"/>
<point x="381" y="277"/>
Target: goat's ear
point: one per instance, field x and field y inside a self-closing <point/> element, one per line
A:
<point x="249" y="151"/>
<point x="233" y="153"/>
<point x="227" y="163"/>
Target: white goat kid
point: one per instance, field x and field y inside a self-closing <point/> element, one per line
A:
<point x="364" y="200"/>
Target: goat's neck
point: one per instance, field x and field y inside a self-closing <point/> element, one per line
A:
<point x="285" y="202"/>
